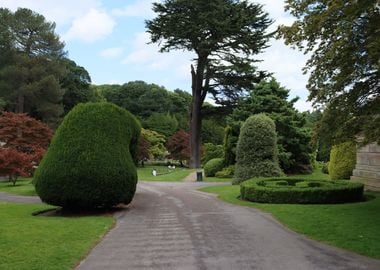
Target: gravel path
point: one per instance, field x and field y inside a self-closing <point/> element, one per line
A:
<point x="173" y="226"/>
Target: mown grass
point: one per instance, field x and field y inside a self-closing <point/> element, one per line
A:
<point x="40" y="242"/>
<point x="176" y="175"/>
<point x="23" y="187"/>
<point x="352" y="226"/>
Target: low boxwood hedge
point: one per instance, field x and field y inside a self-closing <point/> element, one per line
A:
<point x="288" y="190"/>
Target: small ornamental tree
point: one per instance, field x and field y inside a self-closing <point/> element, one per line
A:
<point x="24" y="141"/>
<point x="256" y="153"/>
<point x="179" y="146"/>
<point x="14" y="164"/>
<point x="143" y="150"/>
<point x="90" y="162"/>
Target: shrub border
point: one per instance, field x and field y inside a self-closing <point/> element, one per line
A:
<point x="342" y="191"/>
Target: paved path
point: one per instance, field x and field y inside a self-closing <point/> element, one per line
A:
<point x="172" y="226"/>
<point x="6" y="197"/>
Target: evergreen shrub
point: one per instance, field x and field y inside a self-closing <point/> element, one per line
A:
<point x="90" y="162"/>
<point x="342" y="160"/>
<point x="256" y="152"/>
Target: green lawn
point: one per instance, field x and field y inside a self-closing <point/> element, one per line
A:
<point x="216" y="179"/>
<point x="145" y="174"/>
<point x="23" y="187"/>
<point x="37" y="242"/>
<point x="352" y="226"/>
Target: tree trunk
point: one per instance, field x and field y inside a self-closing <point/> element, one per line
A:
<point x="195" y="132"/>
<point x="199" y="92"/>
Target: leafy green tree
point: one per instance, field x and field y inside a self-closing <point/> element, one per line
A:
<point x="294" y="139"/>
<point x="31" y="72"/>
<point x="157" y="149"/>
<point x="165" y="124"/>
<point x="211" y="151"/>
<point x="342" y="38"/>
<point x="224" y="35"/>
<point x="76" y="83"/>
<point x="212" y="132"/>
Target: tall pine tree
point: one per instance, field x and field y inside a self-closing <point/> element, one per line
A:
<point x="224" y="35"/>
<point x="31" y="71"/>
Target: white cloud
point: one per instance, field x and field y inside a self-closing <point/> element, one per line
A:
<point x="303" y="106"/>
<point x="94" y="25"/>
<point x="111" y="52"/>
<point x="147" y="57"/>
<point x="140" y="8"/>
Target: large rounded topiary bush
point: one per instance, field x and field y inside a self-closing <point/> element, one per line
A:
<point x="288" y="190"/>
<point x="342" y="160"/>
<point x="256" y="152"/>
<point x="90" y="160"/>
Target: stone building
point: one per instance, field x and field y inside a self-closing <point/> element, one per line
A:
<point x="367" y="169"/>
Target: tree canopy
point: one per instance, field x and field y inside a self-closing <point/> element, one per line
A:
<point x="343" y="39"/>
<point x="30" y="72"/>
<point x="225" y="35"/>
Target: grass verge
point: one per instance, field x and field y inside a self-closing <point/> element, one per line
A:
<point x="177" y="175"/>
<point x="40" y="242"/>
<point x="352" y="226"/>
<point x="23" y="187"/>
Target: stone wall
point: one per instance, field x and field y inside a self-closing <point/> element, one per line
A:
<point x="367" y="169"/>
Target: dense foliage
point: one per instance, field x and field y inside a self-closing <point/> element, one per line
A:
<point x="90" y="162"/>
<point x="256" y="152"/>
<point x="178" y="146"/>
<point x="35" y="76"/>
<point x="224" y="35"/>
<point x="288" y="190"/>
<point x="342" y="38"/>
<point x="30" y="72"/>
<point x="156" y="149"/>
<point x="294" y="138"/>
<point x="342" y="160"/>
<point x="23" y="143"/>
<point x="213" y="166"/>
<point x="165" y="124"/>
<point x="211" y="151"/>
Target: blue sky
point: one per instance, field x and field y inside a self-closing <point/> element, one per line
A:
<point x="108" y="38"/>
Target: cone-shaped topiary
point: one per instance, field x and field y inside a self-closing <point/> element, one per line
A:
<point x="256" y="152"/>
<point x="89" y="163"/>
<point x="342" y="160"/>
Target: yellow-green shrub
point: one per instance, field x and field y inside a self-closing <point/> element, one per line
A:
<point x="342" y="160"/>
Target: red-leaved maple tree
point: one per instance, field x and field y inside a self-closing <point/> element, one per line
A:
<point x="179" y="146"/>
<point x="23" y="142"/>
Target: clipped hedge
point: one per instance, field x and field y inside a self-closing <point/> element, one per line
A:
<point x="288" y="190"/>
<point x="90" y="162"/>
<point x="213" y="166"/>
<point x="342" y="160"/>
<point x="256" y="153"/>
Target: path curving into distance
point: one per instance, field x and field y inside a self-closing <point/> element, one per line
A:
<point x="173" y="226"/>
